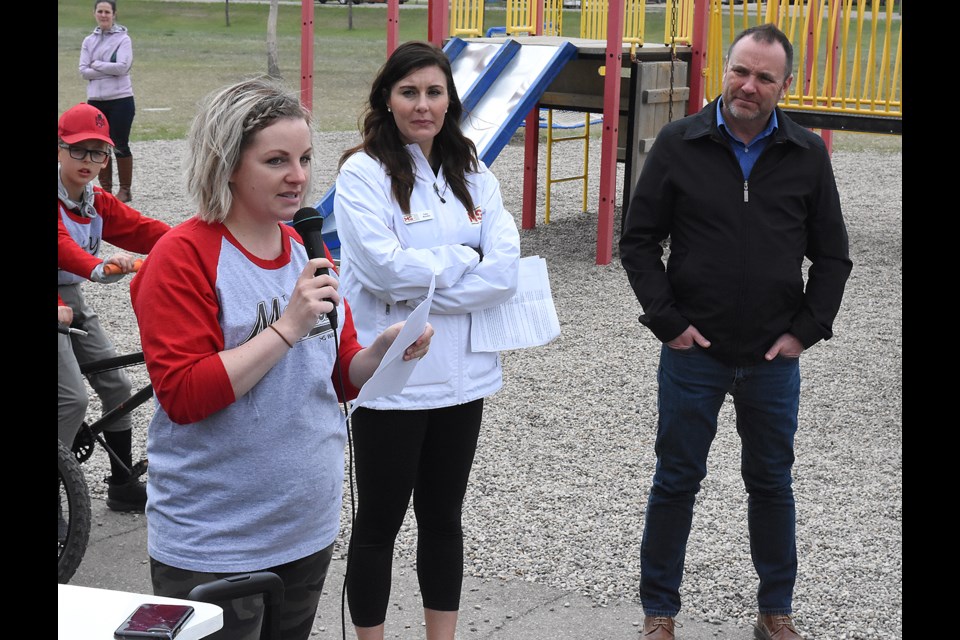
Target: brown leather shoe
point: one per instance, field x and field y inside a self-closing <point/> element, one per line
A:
<point x="657" y="628"/>
<point x="775" y="627"/>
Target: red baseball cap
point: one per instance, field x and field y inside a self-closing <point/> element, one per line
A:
<point x="83" y="122"/>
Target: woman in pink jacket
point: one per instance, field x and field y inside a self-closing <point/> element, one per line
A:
<point x="106" y="57"/>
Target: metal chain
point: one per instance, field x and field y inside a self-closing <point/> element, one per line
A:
<point x="673" y="54"/>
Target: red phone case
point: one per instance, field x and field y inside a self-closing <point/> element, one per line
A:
<point x="155" y="621"/>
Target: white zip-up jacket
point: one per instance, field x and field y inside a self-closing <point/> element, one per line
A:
<point x="388" y="260"/>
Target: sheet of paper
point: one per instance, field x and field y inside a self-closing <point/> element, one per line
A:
<point x="528" y="319"/>
<point x="392" y="374"/>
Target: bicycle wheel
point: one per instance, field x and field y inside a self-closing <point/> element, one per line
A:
<point x="73" y="516"/>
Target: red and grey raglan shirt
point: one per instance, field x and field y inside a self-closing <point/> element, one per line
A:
<point x="237" y="484"/>
<point x="82" y="231"/>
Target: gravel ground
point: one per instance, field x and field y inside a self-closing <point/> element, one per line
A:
<point x="566" y="454"/>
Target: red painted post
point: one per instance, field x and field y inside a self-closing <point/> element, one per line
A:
<point x="438" y="22"/>
<point x="698" y="56"/>
<point x="531" y="158"/>
<point x="306" y="54"/>
<point x="611" y="127"/>
<point x="531" y="148"/>
<point x="393" y="25"/>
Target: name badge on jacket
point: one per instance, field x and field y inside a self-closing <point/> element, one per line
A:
<point x="417" y="216"/>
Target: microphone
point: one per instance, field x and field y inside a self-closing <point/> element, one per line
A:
<point x="436" y="190"/>
<point x="309" y="225"/>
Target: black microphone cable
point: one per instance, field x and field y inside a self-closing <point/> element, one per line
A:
<point x="353" y="509"/>
<point x="345" y="407"/>
<point x="309" y="224"/>
<point x="344" y="404"/>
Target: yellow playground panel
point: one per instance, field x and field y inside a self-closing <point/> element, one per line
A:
<point x="521" y="17"/>
<point x="466" y="18"/>
<point x="847" y="53"/>
<point x="593" y="20"/>
<point x="678" y="23"/>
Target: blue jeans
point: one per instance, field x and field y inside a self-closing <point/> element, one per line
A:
<point x="692" y="388"/>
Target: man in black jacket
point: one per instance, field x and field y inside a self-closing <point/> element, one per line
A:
<point x="743" y="195"/>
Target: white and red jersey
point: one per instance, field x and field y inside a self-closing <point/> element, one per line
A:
<point x="237" y="484"/>
<point x="80" y="237"/>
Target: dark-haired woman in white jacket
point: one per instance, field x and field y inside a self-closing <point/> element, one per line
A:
<point x="414" y="205"/>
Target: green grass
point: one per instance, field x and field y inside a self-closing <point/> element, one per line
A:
<point x="183" y="51"/>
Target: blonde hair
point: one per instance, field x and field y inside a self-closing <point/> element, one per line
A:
<point x="225" y="126"/>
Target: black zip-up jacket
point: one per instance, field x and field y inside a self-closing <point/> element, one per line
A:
<point x="736" y="267"/>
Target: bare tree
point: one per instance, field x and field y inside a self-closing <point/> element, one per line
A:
<point x="273" y="64"/>
<point x="226" y="10"/>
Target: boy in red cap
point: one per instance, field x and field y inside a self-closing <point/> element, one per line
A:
<point x="87" y="216"/>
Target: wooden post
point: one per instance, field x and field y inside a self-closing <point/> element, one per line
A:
<point x="651" y="108"/>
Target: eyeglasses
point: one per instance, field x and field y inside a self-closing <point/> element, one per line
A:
<point x="79" y="153"/>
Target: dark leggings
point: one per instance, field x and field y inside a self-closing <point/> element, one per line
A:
<point x="429" y="453"/>
<point x="119" y="114"/>
<point x="302" y="582"/>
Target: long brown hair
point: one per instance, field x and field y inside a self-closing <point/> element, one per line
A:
<point x="381" y="137"/>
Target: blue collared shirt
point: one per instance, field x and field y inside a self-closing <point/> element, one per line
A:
<point x="747" y="154"/>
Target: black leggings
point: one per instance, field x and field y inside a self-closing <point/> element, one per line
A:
<point x="429" y="453"/>
<point x="119" y="115"/>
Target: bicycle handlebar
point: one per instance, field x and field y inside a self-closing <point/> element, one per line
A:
<point x="112" y="269"/>
<point x="69" y="330"/>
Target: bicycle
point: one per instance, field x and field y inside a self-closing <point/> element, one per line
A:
<point x="74" y="495"/>
<point x="74" y="521"/>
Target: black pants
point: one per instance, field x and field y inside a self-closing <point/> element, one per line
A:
<point x="119" y="115"/>
<point x="302" y="582"/>
<point x="428" y="453"/>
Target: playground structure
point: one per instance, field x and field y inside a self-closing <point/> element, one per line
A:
<point x="847" y="75"/>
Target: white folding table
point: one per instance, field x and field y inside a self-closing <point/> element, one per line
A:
<point x="85" y="613"/>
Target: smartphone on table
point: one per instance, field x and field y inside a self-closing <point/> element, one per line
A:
<point x="155" y="621"/>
